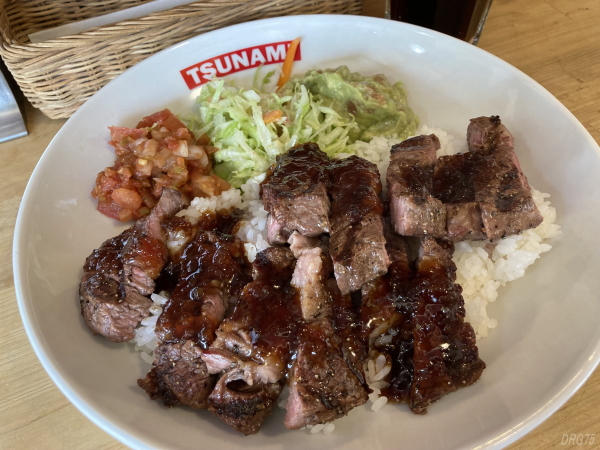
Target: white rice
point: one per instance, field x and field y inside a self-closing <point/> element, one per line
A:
<point x="375" y="371"/>
<point x="145" y="337"/>
<point x="253" y="229"/>
<point x="325" y="428"/>
<point x="482" y="268"/>
<point x="481" y="272"/>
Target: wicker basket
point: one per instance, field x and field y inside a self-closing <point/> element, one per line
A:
<point x="59" y="75"/>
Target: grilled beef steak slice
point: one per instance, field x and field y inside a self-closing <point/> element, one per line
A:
<point x="504" y="195"/>
<point x="464" y="222"/>
<point x="431" y="349"/>
<point x="200" y="299"/>
<point x="485" y="191"/>
<point x="453" y="184"/>
<point x="501" y="188"/>
<point x="416" y="215"/>
<point x="178" y="376"/>
<point x="347" y="325"/>
<point x="453" y="178"/>
<point x="322" y="386"/>
<point x="211" y="270"/>
<point x="379" y="310"/>
<point x="487" y="133"/>
<point x="145" y="251"/>
<point x="387" y="309"/>
<point x="414" y="211"/>
<point x="295" y="194"/>
<point x="357" y="245"/>
<point x="445" y="354"/>
<point x="118" y="276"/>
<point x="245" y="407"/>
<point x="254" y="344"/>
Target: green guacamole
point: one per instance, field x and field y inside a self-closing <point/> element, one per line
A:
<point x="379" y="107"/>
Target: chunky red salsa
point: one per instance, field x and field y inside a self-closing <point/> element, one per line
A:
<point x="160" y="151"/>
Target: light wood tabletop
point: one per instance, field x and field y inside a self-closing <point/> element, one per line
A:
<point x="556" y="42"/>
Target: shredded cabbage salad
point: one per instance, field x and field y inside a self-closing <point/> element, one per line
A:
<point x="250" y="127"/>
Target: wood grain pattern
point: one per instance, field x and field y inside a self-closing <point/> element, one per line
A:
<point x="556" y="42"/>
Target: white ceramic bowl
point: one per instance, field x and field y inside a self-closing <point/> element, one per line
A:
<point x="547" y="340"/>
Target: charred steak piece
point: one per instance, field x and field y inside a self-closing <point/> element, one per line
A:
<point x="254" y="344"/>
<point x="453" y="185"/>
<point x="501" y="188"/>
<point x="345" y="313"/>
<point x="243" y="406"/>
<point x="101" y="294"/>
<point x="464" y="222"/>
<point x="200" y="299"/>
<point x="118" y="276"/>
<point x="379" y="311"/>
<point x="322" y="386"/>
<point x="178" y="376"/>
<point x="504" y="195"/>
<point x="453" y="178"/>
<point x="357" y="244"/>
<point x="212" y="270"/>
<point x="431" y="349"/>
<point x="485" y="191"/>
<point x="414" y="211"/>
<point x="145" y="252"/>
<point x="488" y="133"/>
<point x="445" y="354"/>
<point x="295" y="194"/>
<point x="388" y="310"/>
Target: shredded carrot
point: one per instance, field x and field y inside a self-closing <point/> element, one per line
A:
<point x="272" y="116"/>
<point x="286" y="70"/>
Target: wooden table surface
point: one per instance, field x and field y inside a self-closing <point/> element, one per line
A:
<point x="556" y="42"/>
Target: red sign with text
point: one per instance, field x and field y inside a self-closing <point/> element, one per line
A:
<point x="246" y="58"/>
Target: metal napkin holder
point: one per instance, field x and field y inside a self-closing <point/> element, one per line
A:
<point x="11" y="120"/>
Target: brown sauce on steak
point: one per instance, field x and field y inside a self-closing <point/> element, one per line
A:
<point x="211" y="270"/>
<point x="118" y="277"/>
<point x="357" y="245"/>
<point x="302" y="165"/>
<point x="254" y="344"/>
<point x="107" y="258"/>
<point x="270" y="310"/>
<point x="445" y="355"/>
<point x="345" y="313"/>
<point x="148" y="253"/>
<point x="387" y="306"/>
<point x="432" y="350"/>
<point x="355" y="190"/>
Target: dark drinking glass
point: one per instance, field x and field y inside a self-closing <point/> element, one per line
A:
<point x="462" y="19"/>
